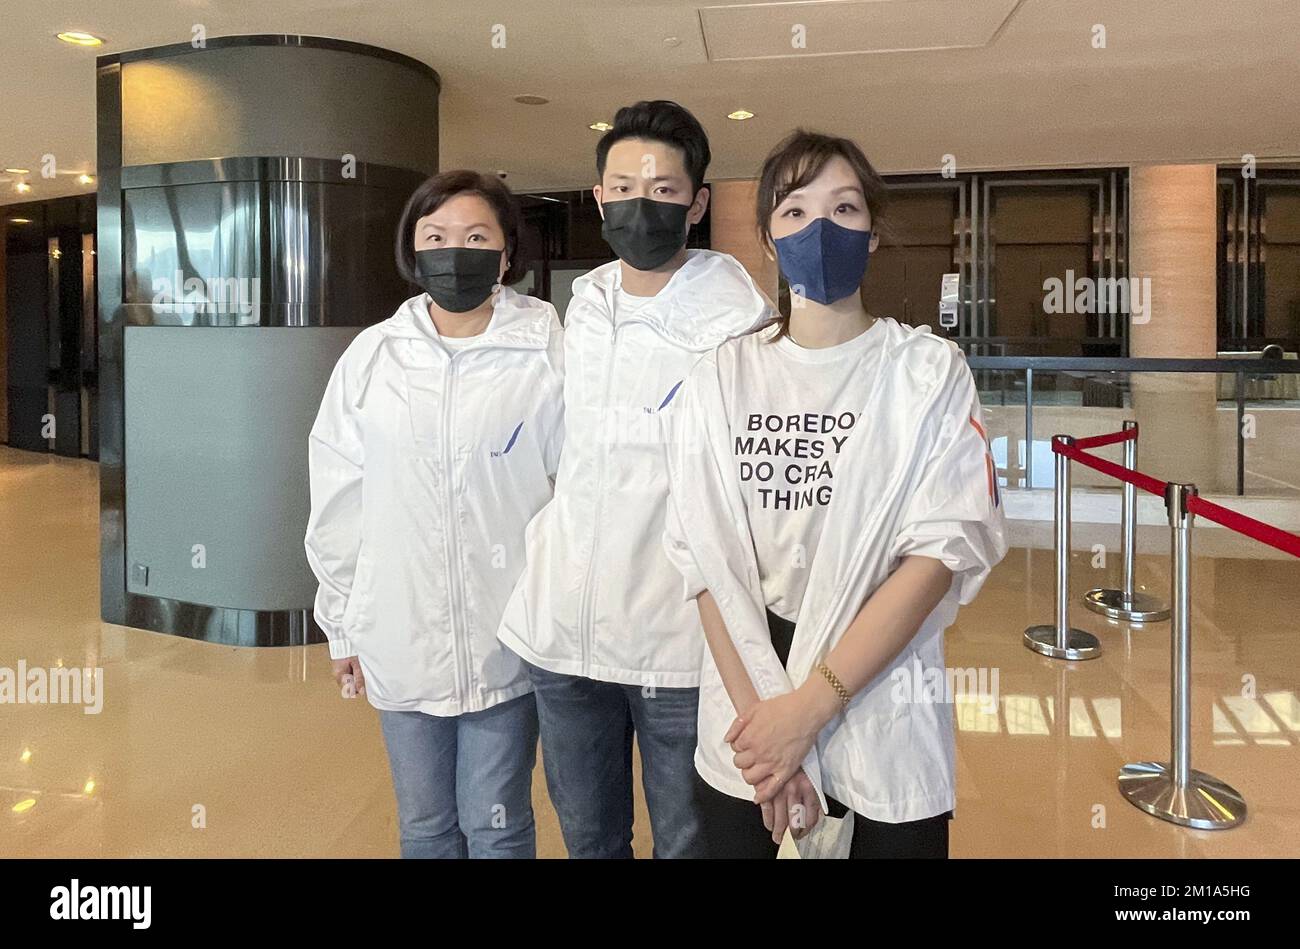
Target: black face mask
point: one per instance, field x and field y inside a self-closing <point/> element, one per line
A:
<point x="458" y="278"/>
<point x="644" y="233"/>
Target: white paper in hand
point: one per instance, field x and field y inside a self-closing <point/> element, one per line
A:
<point x="829" y="840"/>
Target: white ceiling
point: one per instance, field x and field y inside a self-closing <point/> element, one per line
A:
<point x="1179" y="80"/>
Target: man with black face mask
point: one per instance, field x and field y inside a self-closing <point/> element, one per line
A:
<point x="612" y="645"/>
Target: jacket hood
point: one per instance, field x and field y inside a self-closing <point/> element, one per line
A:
<point x="710" y="290"/>
<point x="518" y="321"/>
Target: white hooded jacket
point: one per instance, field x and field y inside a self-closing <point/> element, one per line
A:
<point x="427" y="462"/>
<point x="915" y="478"/>
<point x="599" y="597"/>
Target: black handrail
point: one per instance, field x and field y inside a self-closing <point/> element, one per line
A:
<point x="1240" y="368"/>
<point x="1135" y="364"/>
<point x="1041" y="345"/>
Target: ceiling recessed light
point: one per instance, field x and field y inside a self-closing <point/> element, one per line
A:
<point x="86" y="179"/>
<point x="18" y="171"/>
<point x="600" y="126"/>
<point x="740" y="115"/>
<point x="672" y="41"/>
<point x="22" y="187"/>
<point x="532" y="100"/>
<point x="78" y="38"/>
<point x="20" y="220"/>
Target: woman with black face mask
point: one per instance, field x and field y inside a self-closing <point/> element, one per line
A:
<point x="437" y="441"/>
<point x="832" y="502"/>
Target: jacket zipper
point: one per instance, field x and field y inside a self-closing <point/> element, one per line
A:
<point x="450" y="535"/>
<point x="586" y="632"/>
<point x="462" y="657"/>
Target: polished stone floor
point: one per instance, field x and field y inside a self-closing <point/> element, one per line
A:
<point x="220" y="751"/>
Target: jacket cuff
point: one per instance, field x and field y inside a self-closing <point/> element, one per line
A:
<point x="341" y="648"/>
<point x="680" y="556"/>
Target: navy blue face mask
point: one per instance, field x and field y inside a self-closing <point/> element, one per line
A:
<point x="825" y="261"/>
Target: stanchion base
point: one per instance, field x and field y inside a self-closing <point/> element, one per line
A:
<point x="1139" y="608"/>
<point x="1205" y="804"/>
<point x="1078" y="644"/>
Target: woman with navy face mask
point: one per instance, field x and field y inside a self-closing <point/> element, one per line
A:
<point x="833" y="502"/>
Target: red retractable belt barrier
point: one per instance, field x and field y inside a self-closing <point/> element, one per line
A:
<point x="1143" y="481"/>
<point x="1264" y="533"/>
<point x="1257" y="530"/>
<point x="1097" y="441"/>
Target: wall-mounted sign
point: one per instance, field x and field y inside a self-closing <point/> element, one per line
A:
<point x="948" y="295"/>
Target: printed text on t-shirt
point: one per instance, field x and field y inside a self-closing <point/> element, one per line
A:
<point x="790" y="456"/>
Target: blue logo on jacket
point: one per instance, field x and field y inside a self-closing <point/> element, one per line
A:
<point x="668" y="398"/>
<point x="514" y="436"/>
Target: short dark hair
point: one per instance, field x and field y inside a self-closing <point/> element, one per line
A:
<point x="437" y="191"/>
<point x="660" y="120"/>
<point x="795" y="161"/>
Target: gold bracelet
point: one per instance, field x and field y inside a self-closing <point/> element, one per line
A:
<point x="835" y="684"/>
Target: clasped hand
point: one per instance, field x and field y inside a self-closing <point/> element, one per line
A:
<point x="770" y="741"/>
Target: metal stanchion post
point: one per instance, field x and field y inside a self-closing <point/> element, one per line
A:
<point x="1127" y="604"/>
<point x="1060" y="641"/>
<point x="1173" y="790"/>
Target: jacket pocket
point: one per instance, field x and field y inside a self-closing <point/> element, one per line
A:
<point x="424" y="391"/>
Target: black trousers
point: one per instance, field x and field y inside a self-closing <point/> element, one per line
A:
<point x="733" y="829"/>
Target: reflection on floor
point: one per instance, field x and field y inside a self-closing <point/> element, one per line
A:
<point x="218" y="751"/>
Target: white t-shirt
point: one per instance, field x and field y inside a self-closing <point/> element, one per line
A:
<point x="457" y="342"/>
<point x="426" y="325"/>
<point x="626" y="304"/>
<point x="792" y="412"/>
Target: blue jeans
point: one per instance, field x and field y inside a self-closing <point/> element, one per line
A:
<point x="464" y="783"/>
<point x="587" y="728"/>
